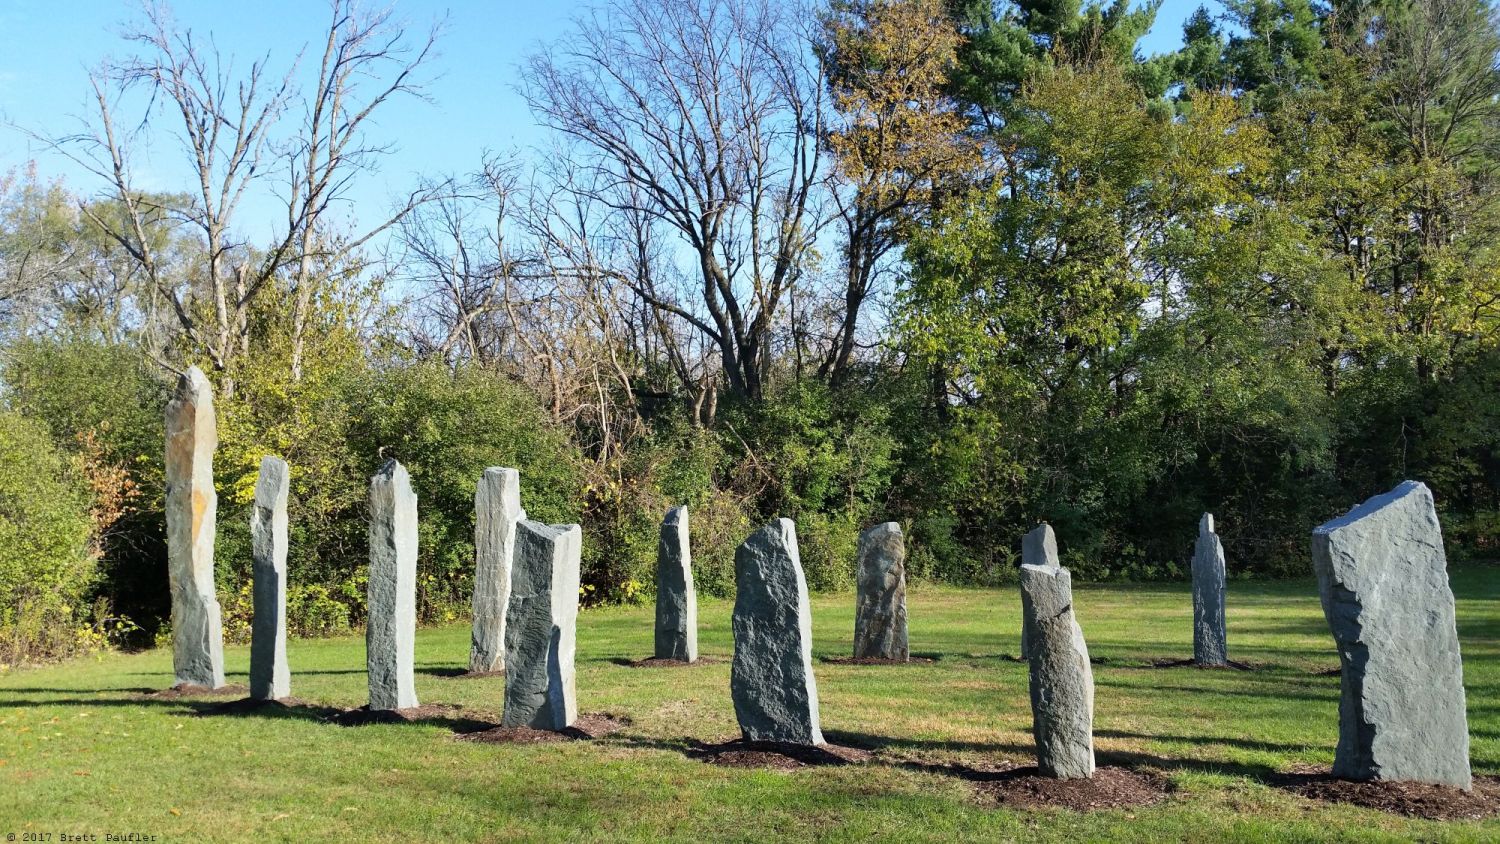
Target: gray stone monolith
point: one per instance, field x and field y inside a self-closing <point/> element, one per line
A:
<point x="1209" y="635"/>
<point x="1062" y="682"/>
<point x="270" y="677"/>
<point x="1038" y="548"/>
<point x="391" y="629"/>
<point x="540" y="627"/>
<point x="497" y="511"/>
<point x="771" y="679"/>
<point x="676" y="600"/>
<point x="192" y="509"/>
<point x="880" y="601"/>
<point x="1383" y="579"/>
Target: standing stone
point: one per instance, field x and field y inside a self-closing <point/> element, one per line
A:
<point x="270" y="678"/>
<point x="1038" y="548"/>
<point x="1383" y="579"/>
<point x="497" y="509"/>
<point x="880" y="608"/>
<point x="676" y="600"/>
<point x="192" y="508"/>
<point x="771" y="680"/>
<point x="540" y="627"/>
<point x="1062" y="682"/>
<point x="392" y="627"/>
<point x="1209" y="635"/>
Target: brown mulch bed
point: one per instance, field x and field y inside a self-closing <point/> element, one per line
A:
<point x="775" y="755"/>
<point x="658" y="662"/>
<point x="1109" y="788"/>
<point x="872" y="660"/>
<point x="183" y="690"/>
<point x="1413" y="799"/>
<point x="594" y="725"/>
<point x="455" y="716"/>
<point x="1188" y="663"/>
<point x="246" y="705"/>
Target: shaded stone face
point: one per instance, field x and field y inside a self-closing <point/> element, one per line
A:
<point x="1062" y="681"/>
<point x="540" y="628"/>
<point x="1038" y="548"/>
<point x="391" y="630"/>
<point x="270" y="677"/>
<point x="497" y="510"/>
<point x="880" y="602"/>
<point x="676" y="600"/>
<point x="192" y="508"/>
<point x="771" y="679"/>
<point x="1209" y="585"/>
<point x="1383" y="579"/>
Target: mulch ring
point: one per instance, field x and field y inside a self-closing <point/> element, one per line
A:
<point x="594" y="725"/>
<point x="452" y="715"/>
<point x="182" y="690"/>
<point x="248" y="705"/>
<point x="873" y="660"/>
<point x="1025" y="787"/>
<point x="660" y="662"/>
<point x="1188" y="663"/>
<point x="775" y="755"/>
<point x="1413" y="799"/>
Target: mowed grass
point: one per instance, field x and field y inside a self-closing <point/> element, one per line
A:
<point x="82" y="753"/>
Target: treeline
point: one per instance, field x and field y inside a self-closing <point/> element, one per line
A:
<point x="962" y="263"/>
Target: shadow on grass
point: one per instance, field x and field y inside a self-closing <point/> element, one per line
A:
<point x="1243" y="744"/>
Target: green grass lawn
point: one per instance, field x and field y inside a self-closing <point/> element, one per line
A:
<point x="82" y="753"/>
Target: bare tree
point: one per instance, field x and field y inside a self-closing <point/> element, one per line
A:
<point x="704" y="116"/>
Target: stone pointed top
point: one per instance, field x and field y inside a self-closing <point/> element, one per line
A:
<point x="677" y="515"/>
<point x="1206" y="524"/>
<point x="549" y="532"/>
<point x="392" y="471"/>
<point x="509" y="484"/>
<point x="1039" y="548"/>
<point x="271" y="486"/>
<point x="1375" y="504"/>
<point x="193" y="380"/>
<point x="882" y="528"/>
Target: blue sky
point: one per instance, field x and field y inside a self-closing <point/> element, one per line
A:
<point x="48" y="46"/>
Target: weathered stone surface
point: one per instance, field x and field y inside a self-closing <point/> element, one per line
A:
<point x="880" y="602"/>
<point x="1383" y="578"/>
<point x="1038" y="548"/>
<point x="497" y="510"/>
<point x="771" y="679"/>
<point x="192" y="509"/>
<point x="676" y="600"/>
<point x="1062" y="682"/>
<point x="540" y="627"/>
<point x="1209" y="634"/>
<point x="270" y="677"/>
<point x="392" y="626"/>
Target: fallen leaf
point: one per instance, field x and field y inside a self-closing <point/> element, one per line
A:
<point x="177" y="812"/>
<point x="80" y="773"/>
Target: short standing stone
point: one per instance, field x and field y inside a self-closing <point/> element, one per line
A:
<point x="270" y="678"/>
<point x="540" y="627"/>
<point x="497" y="510"/>
<point x="1038" y="548"/>
<point x="1383" y="579"/>
<point x="391" y="630"/>
<point x="880" y="603"/>
<point x="192" y="507"/>
<point x="1209" y="635"/>
<point x="676" y="600"/>
<point x="1062" y="682"/>
<point x="771" y="679"/>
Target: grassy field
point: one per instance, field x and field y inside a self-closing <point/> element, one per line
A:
<point x="81" y="751"/>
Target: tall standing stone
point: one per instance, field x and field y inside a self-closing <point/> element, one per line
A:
<point x="1062" y="682"/>
<point x="497" y="510"/>
<point x="1209" y="634"/>
<point x="771" y="680"/>
<point x="270" y="678"/>
<point x="1038" y="548"/>
<point x="676" y="600"/>
<point x="192" y="508"/>
<point x="541" y="623"/>
<point x="391" y="630"/>
<point x="880" y="603"/>
<point x="1383" y="579"/>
